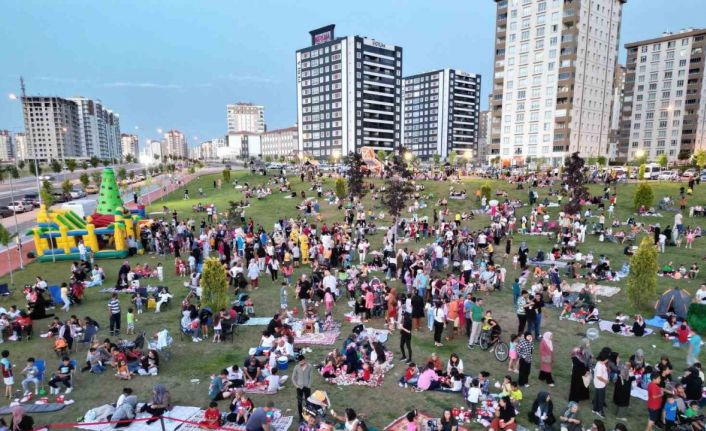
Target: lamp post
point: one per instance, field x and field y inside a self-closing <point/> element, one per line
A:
<point x="13" y="96"/>
<point x="17" y="229"/>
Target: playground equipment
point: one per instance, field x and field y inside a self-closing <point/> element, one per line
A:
<point x="105" y="234"/>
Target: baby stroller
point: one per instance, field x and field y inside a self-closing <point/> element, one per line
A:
<point x="162" y="342"/>
<point x="316" y="405"/>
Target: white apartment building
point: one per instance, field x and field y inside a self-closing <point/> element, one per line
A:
<point x="155" y="149"/>
<point x="441" y="111"/>
<point x="100" y="129"/>
<point x="663" y="103"/>
<point x="349" y="94"/>
<point x="7" y="146"/>
<point x="52" y="128"/>
<point x="175" y="144"/>
<point x="245" y="117"/>
<point x="241" y="145"/>
<point x="22" y="150"/>
<point x="280" y="142"/>
<point x="130" y="145"/>
<point x="553" y="79"/>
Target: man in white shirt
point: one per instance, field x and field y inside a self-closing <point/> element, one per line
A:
<point x="600" y="380"/>
<point x="329" y="282"/>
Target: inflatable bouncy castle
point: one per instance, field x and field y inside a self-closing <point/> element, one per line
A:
<point x="105" y="234"/>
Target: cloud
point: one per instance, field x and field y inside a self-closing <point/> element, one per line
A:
<point x="250" y="78"/>
<point x="126" y="84"/>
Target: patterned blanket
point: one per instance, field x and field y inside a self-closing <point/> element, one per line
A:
<point x="376" y="378"/>
<point x="607" y="325"/>
<point x="607" y="291"/>
<point x="322" y="338"/>
<point x="182" y="413"/>
<point x="282" y="423"/>
<point x="400" y="424"/>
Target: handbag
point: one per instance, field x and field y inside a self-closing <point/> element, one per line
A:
<point x="587" y="379"/>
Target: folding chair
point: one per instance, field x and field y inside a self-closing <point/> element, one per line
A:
<point x="55" y="292"/>
<point x="89" y="337"/>
<point x="74" y="364"/>
<point x="4" y="290"/>
<point x="42" y="375"/>
<point x="229" y="330"/>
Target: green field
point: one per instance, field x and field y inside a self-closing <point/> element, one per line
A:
<point x="380" y="405"/>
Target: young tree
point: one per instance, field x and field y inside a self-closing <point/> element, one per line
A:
<point x="640" y="160"/>
<point x="700" y="158"/>
<point x="95" y="161"/>
<point x="5" y="238"/>
<point x="340" y="188"/>
<point x="105" y="162"/>
<point x="485" y="190"/>
<point x="55" y="166"/>
<point x="96" y="177"/>
<point x="381" y="155"/>
<point x="84" y="165"/>
<point x="643" y="196"/>
<point x="21" y="164"/>
<point x="84" y="180"/>
<point x="71" y="165"/>
<point x="452" y="158"/>
<point x="436" y="158"/>
<point x="46" y="193"/>
<point x="576" y="180"/>
<point x="398" y="188"/>
<point x="268" y="159"/>
<point x="122" y="174"/>
<point x="356" y="176"/>
<point x="642" y="281"/>
<point x="226" y="175"/>
<point x="601" y="160"/>
<point x="662" y="160"/>
<point x="35" y="169"/>
<point x="641" y="172"/>
<point x="13" y="171"/>
<point x="131" y="175"/>
<point x="214" y="284"/>
<point x="66" y="187"/>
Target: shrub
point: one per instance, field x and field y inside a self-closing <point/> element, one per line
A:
<point x="214" y="284"/>
<point x="641" y="172"/>
<point x="642" y="281"/>
<point x="226" y="175"/>
<point x="485" y="190"/>
<point x="340" y="188"/>
<point x="643" y="196"/>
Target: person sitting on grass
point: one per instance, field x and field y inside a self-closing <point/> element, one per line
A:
<point x="240" y="408"/>
<point x="211" y="417"/>
<point x="219" y="387"/>
<point x="428" y="379"/>
<point x="124" y="409"/>
<point x="411" y="375"/>
<point x="158" y="404"/>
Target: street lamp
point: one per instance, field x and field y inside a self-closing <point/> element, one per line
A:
<point x="408" y="156"/>
<point x="13" y="96"/>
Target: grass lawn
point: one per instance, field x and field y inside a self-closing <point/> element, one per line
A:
<point x="380" y="405"/>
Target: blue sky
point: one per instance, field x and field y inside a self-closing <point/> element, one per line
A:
<point x="177" y="63"/>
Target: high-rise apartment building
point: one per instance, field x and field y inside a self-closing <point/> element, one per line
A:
<point x="553" y="80"/>
<point x="100" y="129"/>
<point x="349" y="94"/>
<point x="175" y="144"/>
<point x="441" y="113"/>
<point x="483" y="128"/>
<point x="280" y="142"/>
<point x="155" y="149"/>
<point x="243" y="145"/>
<point x="615" y="111"/>
<point x="7" y="146"/>
<point x="22" y="150"/>
<point x="130" y="145"/>
<point x="664" y="109"/>
<point x="245" y="117"/>
<point x="52" y="127"/>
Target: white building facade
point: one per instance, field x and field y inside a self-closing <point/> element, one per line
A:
<point x="280" y="142"/>
<point x="130" y="145"/>
<point x="7" y="146"/>
<point x="245" y="117"/>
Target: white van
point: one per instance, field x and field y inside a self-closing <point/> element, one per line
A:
<point x="652" y="171"/>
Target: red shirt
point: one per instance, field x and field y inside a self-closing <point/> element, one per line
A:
<point x="654" y="396"/>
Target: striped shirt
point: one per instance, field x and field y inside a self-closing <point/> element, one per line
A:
<point x="114" y="306"/>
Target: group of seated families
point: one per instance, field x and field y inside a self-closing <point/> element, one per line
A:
<point x="361" y="358"/>
<point x="680" y="272"/>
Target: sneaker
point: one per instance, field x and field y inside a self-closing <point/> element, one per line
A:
<point x="68" y="390"/>
<point x="622" y="419"/>
<point x="597" y="414"/>
<point x="471" y="347"/>
<point x="400" y="384"/>
<point x="403" y="359"/>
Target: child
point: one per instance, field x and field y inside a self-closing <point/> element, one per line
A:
<point x="217" y="328"/>
<point x="669" y="414"/>
<point x="328" y="300"/>
<point x="31" y="373"/>
<point x="514" y="364"/>
<point x="137" y="299"/>
<point x="473" y="395"/>
<point x="160" y="273"/>
<point x="7" y="376"/>
<point x="365" y="373"/>
<point x="328" y="371"/>
<point x="516" y="395"/>
<point x="130" y="317"/>
<point x="283" y="296"/>
<point x="211" y="416"/>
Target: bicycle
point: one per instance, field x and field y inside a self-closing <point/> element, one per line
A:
<point x="500" y="348"/>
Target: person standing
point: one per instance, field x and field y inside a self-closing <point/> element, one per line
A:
<point x="406" y="337"/>
<point x="621" y="390"/>
<point x="439" y="322"/>
<point x="600" y="381"/>
<point x="546" y="359"/>
<point x="655" y="395"/>
<point x="476" y="321"/>
<point x="114" y="312"/>
<point x="525" y="348"/>
<point x="301" y="379"/>
<point x="417" y="303"/>
<point x="521" y="310"/>
<point x="537" y="305"/>
<point x="259" y="419"/>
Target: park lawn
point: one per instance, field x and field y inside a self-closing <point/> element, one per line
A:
<point x="380" y="405"/>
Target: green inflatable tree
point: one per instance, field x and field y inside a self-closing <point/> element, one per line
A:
<point x="109" y="199"/>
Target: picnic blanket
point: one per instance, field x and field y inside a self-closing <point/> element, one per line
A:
<point x="638" y="392"/>
<point x="280" y="423"/>
<point x="150" y="289"/>
<point x="257" y="321"/>
<point x="322" y="338"/>
<point x="376" y="379"/>
<point x="558" y="263"/>
<point x="400" y="424"/>
<point x="607" y="291"/>
<point x="181" y="413"/>
<point x="656" y="322"/>
<point x="34" y="408"/>
<point x="607" y="325"/>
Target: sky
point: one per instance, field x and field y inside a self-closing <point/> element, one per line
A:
<point x="175" y="64"/>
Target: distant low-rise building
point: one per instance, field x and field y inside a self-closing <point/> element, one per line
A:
<point x="280" y="142"/>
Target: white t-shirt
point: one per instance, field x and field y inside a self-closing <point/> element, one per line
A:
<point x="600" y="371"/>
<point x="473" y="395"/>
<point x="273" y="383"/>
<point x="701" y="295"/>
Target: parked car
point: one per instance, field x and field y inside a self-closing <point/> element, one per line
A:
<point x="668" y="176"/>
<point x="31" y="200"/>
<point x="17" y="206"/>
<point x="688" y="174"/>
<point x="5" y="212"/>
<point x="703" y="175"/>
<point x="77" y="193"/>
<point x="91" y="189"/>
<point x="59" y="197"/>
<point x="46" y="178"/>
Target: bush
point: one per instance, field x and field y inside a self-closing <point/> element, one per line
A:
<point x="340" y="188"/>
<point x="642" y="281"/>
<point x="226" y="175"/>
<point x="641" y="172"/>
<point x="485" y="190"/>
<point x="214" y="284"/>
<point x="643" y="196"/>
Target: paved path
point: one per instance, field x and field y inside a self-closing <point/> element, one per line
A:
<point x="27" y="220"/>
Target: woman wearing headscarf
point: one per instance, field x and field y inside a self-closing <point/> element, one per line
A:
<point x="542" y="411"/>
<point x="21" y="421"/>
<point x="159" y="403"/>
<point x="525" y="348"/>
<point x="546" y="359"/>
<point x="621" y="391"/>
<point x="578" y="390"/>
<point x="638" y="360"/>
<point x="571" y="420"/>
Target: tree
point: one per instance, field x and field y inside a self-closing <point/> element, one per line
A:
<point x="356" y="176"/>
<point x="35" y="169"/>
<point x="642" y="281"/>
<point x="21" y="164"/>
<point x="268" y="159"/>
<point x="94" y="161"/>
<point x="436" y="158"/>
<point x="452" y="157"/>
<point x="576" y="180"/>
<point x="71" y="165"/>
<point x="5" y="238"/>
<point x="131" y="175"/>
<point x="601" y="160"/>
<point x="226" y="175"/>
<point x="398" y="188"/>
<point x="643" y="196"/>
<point x="214" y="284"/>
<point x="129" y="158"/>
<point x="340" y="188"/>
<point x="662" y="160"/>
<point x="96" y="177"/>
<point x="84" y="180"/>
<point x="700" y="158"/>
<point x="122" y="174"/>
<point x="46" y="193"/>
<point x="84" y="165"/>
<point x="66" y="187"/>
<point x="381" y="155"/>
<point x="641" y="160"/>
<point x="592" y="161"/>
<point x="55" y="166"/>
<point x="641" y="172"/>
<point x="485" y="190"/>
<point x="13" y="171"/>
<point x="105" y="162"/>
